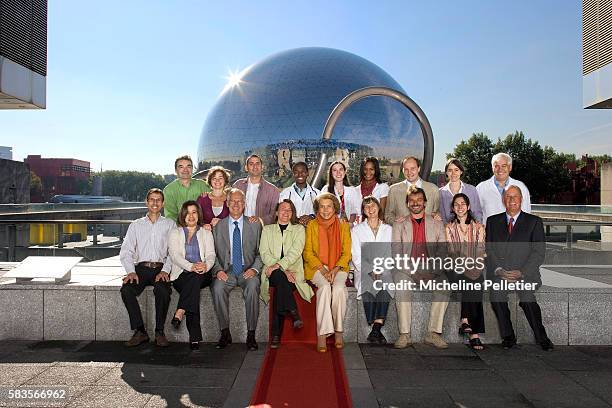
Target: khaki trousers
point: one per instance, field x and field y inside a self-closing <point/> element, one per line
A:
<point x="403" y="303"/>
<point x="331" y="303"/>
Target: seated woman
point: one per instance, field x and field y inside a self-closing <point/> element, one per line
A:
<point x="327" y="253"/>
<point x="281" y="248"/>
<point x="214" y="207"/>
<point x="375" y="302"/>
<point x="466" y="239"/>
<point x="192" y="251"/>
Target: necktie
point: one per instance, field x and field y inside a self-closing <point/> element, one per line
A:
<point x="510" y="225"/>
<point x="236" y="251"/>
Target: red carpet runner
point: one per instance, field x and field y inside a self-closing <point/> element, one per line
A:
<point x="296" y="375"/>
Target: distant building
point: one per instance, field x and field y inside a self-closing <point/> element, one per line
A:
<point x="586" y="181"/>
<point x="6" y="153"/>
<point x="14" y="182"/>
<point x="23" y="54"/>
<point x="58" y="176"/>
<point x="597" y="54"/>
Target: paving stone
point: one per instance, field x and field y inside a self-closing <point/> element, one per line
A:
<point x="14" y="325"/>
<point x="14" y="375"/>
<point x="598" y="384"/>
<point x="61" y="375"/>
<point x="482" y="397"/>
<point x="112" y="396"/>
<point x="150" y="376"/>
<point x="416" y="397"/>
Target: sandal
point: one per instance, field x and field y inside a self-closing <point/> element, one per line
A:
<point x="465" y="329"/>
<point x="476" y="344"/>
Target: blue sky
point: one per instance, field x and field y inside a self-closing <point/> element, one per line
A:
<point x="130" y="83"/>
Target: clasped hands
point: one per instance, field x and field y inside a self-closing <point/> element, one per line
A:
<point x="328" y="274"/>
<point x="199" y="267"/>
<point x="510" y="276"/>
<point x="290" y="274"/>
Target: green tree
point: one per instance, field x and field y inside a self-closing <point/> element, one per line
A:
<point x="35" y="185"/>
<point x="475" y="155"/>
<point x="433" y="176"/>
<point x="130" y="185"/>
<point x="557" y="176"/>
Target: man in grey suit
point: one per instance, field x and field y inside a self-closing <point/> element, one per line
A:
<point x="238" y="264"/>
<point x="396" y="210"/>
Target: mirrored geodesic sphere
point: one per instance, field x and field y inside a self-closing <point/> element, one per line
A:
<point x="279" y="106"/>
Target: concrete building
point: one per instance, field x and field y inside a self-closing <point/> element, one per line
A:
<point x="58" y="176"/>
<point x="14" y="182"/>
<point x="23" y="54"/>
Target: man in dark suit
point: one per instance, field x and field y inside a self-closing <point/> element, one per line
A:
<point x="238" y="264"/>
<point x="515" y="251"/>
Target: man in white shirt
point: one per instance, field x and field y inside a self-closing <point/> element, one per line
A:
<point x="490" y="191"/>
<point x="396" y="201"/>
<point x="301" y="193"/>
<point x="144" y="256"/>
<point x="261" y="195"/>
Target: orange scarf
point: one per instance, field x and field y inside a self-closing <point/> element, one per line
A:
<point x="330" y="244"/>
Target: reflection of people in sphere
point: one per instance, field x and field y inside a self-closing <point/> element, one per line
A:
<point x="342" y="155"/>
<point x="283" y="162"/>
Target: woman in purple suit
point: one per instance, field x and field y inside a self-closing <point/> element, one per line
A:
<point x="214" y="207"/>
<point x="454" y="169"/>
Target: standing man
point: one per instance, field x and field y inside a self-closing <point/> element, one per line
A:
<point x="515" y="251"/>
<point x="420" y="236"/>
<point x="238" y="264"/>
<point x="144" y="256"/>
<point x="184" y="188"/>
<point x="301" y="193"/>
<point x="396" y="201"/>
<point x="490" y="191"/>
<point x="261" y="195"/>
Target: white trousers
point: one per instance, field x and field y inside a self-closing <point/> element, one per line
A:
<point x="331" y="303"/>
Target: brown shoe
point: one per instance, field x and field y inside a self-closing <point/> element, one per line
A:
<point x="137" y="339"/>
<point x="436" y="340"/>
<point x="161" y="340"/>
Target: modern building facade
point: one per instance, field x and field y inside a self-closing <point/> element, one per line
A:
<point x="23" y="54"/>
<point x="278" y="108"/>
<point x="58" y="176"/>
<point x="597" y="54"/>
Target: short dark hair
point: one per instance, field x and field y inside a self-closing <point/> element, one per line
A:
<point x="369" y="200"/>
<point x="375" y="163"/>
<point x="300" y="163"/>
<point x="326" y="196"/>
<point x="183" y="213"/>
<point x="252" y="156"/>
<point x="217" y="169"/>
<point x="184" y="157"/>
<point x="456" y="162"/>
<point x="294" y="219"/>
<point x="470" y="216"/>
<point x="414" y="190"/>
<point x="154" y="190"/>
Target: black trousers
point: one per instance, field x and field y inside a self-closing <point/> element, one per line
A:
<point x="161" y="290"/>
<point x="471" y="306"/>
<point x="527" y="302"/>
<point x="375" y="307"/>
<point x="188" y="285"/>
<point x="283" y="299"/>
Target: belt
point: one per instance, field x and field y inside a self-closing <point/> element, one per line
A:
<point x="152" y="265"/>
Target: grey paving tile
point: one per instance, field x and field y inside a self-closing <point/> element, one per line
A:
<point x="403" y="362"/>
<point x="483" y="397"/>
<point x="358" y="379"/>
<point x="598" y="384"/>
<point x="187" y="397"/>
<point x="78" y="376"/>
<point x="441" y="362"/>
<point x="568" y="358"/>
<point x="245" y="380"/>
<point x="110" y="396"/>
<point x="151" y="376"/>
<point x="415" y="397"/>
<point x="13" y="375"/>
<point x="364" y="398"/>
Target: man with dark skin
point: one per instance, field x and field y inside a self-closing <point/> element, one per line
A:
<point x="301" y="193"/>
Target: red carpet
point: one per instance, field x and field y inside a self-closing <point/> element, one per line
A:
<point x="296" y="374"/>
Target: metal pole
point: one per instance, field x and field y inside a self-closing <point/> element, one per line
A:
<point x="568" y="237"/>
<point x="60" y="235"/>
<point x="95" y="234"/>
<point x="12" y="242"/>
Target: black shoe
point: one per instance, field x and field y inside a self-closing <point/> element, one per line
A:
<point x="225" y="340"/>
<point x="250" y="341"/>
<point x="194" y="345"/>
<point x="547" y="345"/>
<point x="297" y="320"/>
<point x="508" y="342"/>
<point x="381" y="339"/>
<point x="275" y="342"/>
<point x="373" y="336"/>
<point x="176" y="323"/>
